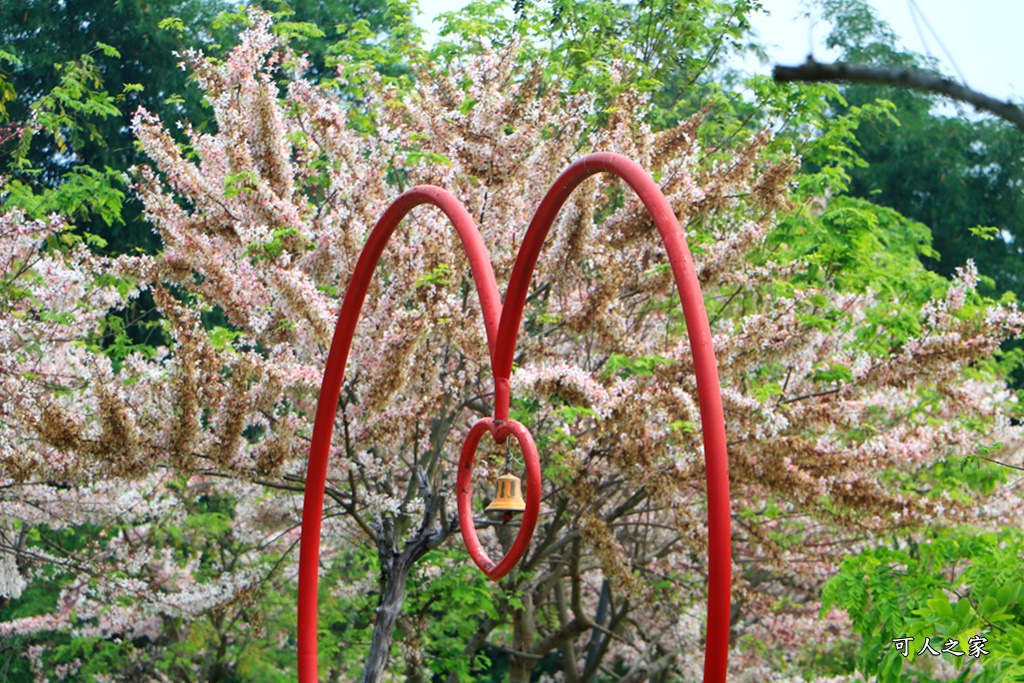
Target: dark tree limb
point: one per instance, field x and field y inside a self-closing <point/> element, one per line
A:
<point x="812" y="71"/>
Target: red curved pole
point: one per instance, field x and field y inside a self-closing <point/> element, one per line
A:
<point x="716" y="654"/>
<point x="334" y="373"/>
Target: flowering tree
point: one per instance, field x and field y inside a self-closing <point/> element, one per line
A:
<point x="154" y="491"/>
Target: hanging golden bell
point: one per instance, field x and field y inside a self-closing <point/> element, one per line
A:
<point x="509" y="496"/>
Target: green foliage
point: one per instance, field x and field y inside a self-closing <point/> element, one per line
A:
<point x="451" y="605"/>
<point x="71" y="114"/>
<point x="949" y="173"/>
<point x="445" y="601"/>
<point x="131" y="35"/>
<point x="85" y="193"/>
<point x="223" y="337"/>
<point x="985" y="232"/>
<point x="173" y="24"/>
<point x="623" y="366"/>
<point x="438" y="277"/>
<point x="860" y="246"/>
<point x="295" y="31"/>
<point x="346" y="619"/>
<point x="68" y="110"/>
<point x="952" y="175"/>
<point x="955" y="584"/>
<point x="857" y="246"/>
<point x="115" y="341"/>
<point x="373" y="32"/>
<point x="832" y="154"/>
<point x="239" y="183"/>
<point x="202" y="539"/>
<point x="671" y="51"/>
<point x="80" y="74"/>
<point x="7" y="91"/>
<point x="280" y="240"/>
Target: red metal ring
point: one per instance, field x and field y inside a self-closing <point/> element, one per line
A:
<point x="500" y="430"/>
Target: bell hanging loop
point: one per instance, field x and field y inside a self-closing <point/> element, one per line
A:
<point x="508" y="455"/>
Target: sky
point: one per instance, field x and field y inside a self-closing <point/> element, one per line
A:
<point x="983" y="37"/>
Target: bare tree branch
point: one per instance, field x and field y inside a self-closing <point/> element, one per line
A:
<point x="812" y="71"/>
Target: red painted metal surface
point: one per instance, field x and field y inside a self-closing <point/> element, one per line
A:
<point x="500" y="431"/>
<point x="334" y="374"/>
<point x="502" y="325"/>
<point x="716" y="654"/>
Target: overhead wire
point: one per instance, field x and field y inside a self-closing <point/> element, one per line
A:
<point x="920" y="33"/>
<point x="915" y="7"/>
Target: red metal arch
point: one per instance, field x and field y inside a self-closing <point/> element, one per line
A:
<point x="716" y="653"/>
<point x="502" y="327"/>
<point x="334" y="374"/>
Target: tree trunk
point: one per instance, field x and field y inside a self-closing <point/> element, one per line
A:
<point x="394" y="571"/>
<point x="594" y="650"/>
<point x="388" y="612"/>
<point x="524" y="630"/>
